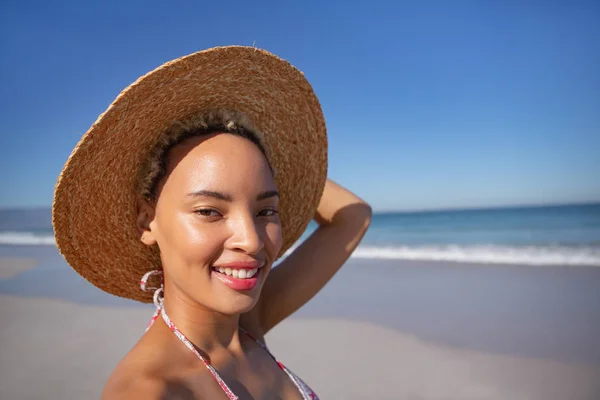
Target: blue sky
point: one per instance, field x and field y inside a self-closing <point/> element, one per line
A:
<point x="429" y="104"/>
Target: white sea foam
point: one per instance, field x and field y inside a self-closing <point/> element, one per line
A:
<point x="496" y="254"/>
<point x="26" y="238"/>
<point x="485" y="254"/>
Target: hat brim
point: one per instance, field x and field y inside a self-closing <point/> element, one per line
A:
<point x="94" y="209"/>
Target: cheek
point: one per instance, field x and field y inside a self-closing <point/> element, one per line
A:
<point x="274" y="238"/>
<point x="192" y="241"/>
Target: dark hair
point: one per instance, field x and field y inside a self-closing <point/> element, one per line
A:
<point x="218" y="120"/>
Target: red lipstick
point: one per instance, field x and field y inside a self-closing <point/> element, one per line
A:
<point x="237" y="283"/>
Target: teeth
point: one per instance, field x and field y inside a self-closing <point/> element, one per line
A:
<point x="238" y="273"/>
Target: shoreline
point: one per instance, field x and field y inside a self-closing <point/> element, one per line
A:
<point x="546" y="313"/>
<point x="419" y="254"/>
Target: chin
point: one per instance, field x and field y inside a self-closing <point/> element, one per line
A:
<point x="237" y="304"/>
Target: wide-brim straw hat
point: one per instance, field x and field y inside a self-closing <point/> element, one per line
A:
<point x="94" y="209"/>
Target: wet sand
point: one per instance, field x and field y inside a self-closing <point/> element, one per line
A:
<point x="10" y="267"/>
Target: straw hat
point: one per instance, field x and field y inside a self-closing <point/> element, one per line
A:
<point x="94" y="210"/>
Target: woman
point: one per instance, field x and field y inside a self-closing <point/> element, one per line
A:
<point x="195" y="180"/>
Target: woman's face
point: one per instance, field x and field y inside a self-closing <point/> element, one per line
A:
<point x="216" y="222"/>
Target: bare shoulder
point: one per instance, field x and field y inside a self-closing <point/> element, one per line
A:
<point x="132" y="379"/>
<point x="144" y="384"/>
<point x="141" y="387"/>
<point x="143" y="374"/>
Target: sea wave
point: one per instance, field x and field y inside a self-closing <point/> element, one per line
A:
<point x="26" y="238"/>
<point x="582" y="255"/>
<point x="488" y="254"/>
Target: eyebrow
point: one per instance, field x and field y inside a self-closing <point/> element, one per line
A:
<point x="229" y="198"/>
<point x="268" y="194"/>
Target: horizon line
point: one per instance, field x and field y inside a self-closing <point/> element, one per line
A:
<point x="400" y="211"/>
<point x="485" y="208"/>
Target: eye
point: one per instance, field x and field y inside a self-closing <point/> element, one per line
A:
<point x="269" y="212"/>
<point x="207" y="212"/>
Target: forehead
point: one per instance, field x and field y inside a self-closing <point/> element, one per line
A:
<point x="218" y="162"/>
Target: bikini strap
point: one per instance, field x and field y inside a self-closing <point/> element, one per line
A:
<point x="158" y="299"/>
<point x="305" y="391"/>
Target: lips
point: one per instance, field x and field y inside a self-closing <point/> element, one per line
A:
<point x="238" y="275"/>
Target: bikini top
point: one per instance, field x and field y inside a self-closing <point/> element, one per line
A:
<point x="305" y="391"/>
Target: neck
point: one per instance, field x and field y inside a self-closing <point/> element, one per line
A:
<point x="206" y="329"/>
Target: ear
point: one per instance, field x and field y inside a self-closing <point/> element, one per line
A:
<point x="145" y="217"/>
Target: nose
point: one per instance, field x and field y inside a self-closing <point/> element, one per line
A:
<point x="246" y="235"/>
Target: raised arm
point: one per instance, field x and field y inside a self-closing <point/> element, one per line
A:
<point x="343" y="219"/>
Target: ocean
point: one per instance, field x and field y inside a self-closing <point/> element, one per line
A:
<point x="544" y="235"/>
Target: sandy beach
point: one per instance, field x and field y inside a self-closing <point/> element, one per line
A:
<point x="380" y="330"/>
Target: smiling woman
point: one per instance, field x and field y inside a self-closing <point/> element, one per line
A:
<point x="212" y="207"/>
<point x="199" y="177"/>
